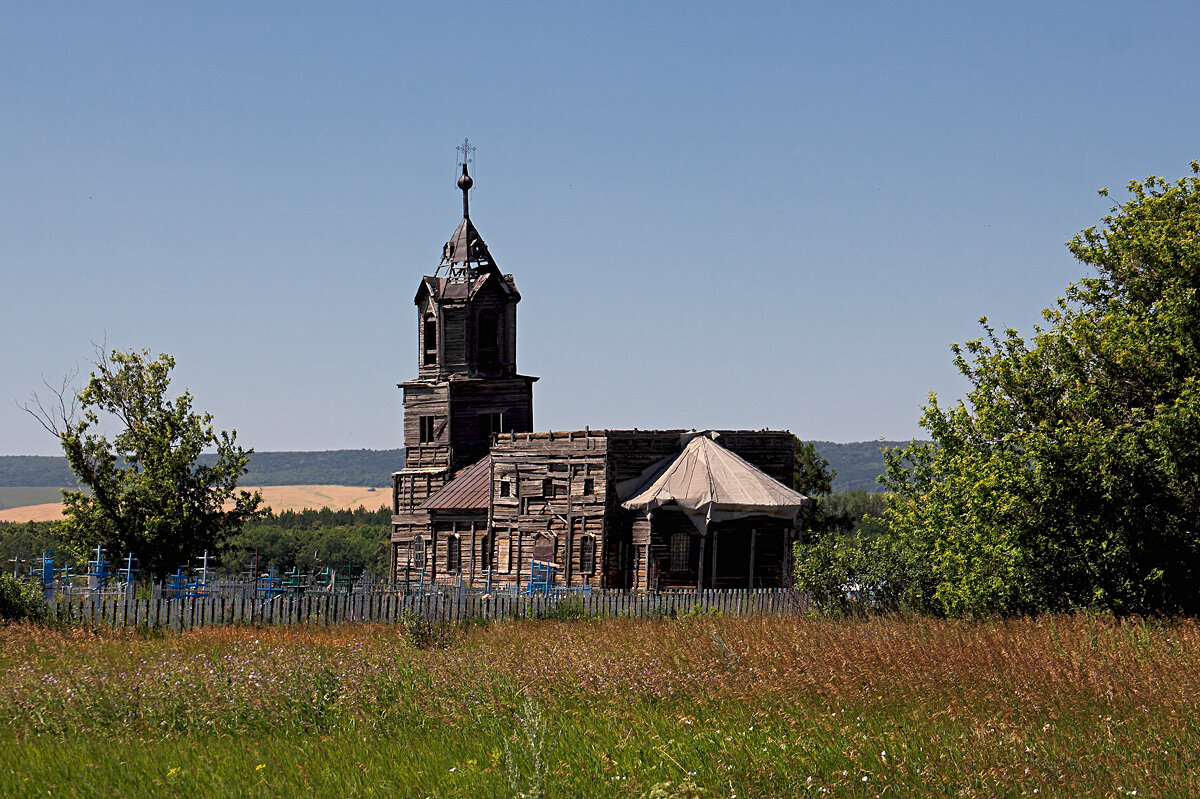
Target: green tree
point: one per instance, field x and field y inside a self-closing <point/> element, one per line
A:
<point x="1070" y="474"/>
<point x="844" y="559"/>
<point x="811" y="474"/>
<point x="827" y="557"/>
<point x="147" y="493"/>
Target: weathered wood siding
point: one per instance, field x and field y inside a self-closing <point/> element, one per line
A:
<point x="551" y="492"/>
<point x="427" y="399"/>
<point x="470" y="399"/>
<point x="769" y="450"/>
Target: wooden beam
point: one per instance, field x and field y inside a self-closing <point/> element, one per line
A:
<point x="713" y="580"/>
<point x="567" y="557"/>
<point x="753" y="542"/>
<point x="473" y="547"/>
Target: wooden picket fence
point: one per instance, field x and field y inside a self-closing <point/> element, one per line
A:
<point x="318" y="609"/>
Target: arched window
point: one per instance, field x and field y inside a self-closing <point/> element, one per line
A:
<point x="418" y="553"/>
<point x="587" y="555"/>
<point x="430" y="342"/>
<point x="681" y="552"/>
<point x="453" y="553"/>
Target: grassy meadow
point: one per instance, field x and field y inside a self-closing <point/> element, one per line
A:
<point x="713" y="707"/>
<point x="24" y="496"/>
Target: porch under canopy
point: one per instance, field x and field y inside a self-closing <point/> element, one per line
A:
<point x="710" y="484"/>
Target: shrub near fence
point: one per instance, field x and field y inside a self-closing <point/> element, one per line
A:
<point x="392" y="608"/>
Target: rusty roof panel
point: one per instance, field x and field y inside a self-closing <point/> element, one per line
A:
<point x="469" y="490"/>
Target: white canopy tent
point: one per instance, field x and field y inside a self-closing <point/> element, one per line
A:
<point x="710" y="484"/>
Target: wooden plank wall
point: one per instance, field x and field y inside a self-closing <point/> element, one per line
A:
<point x="546" y="500"/>
<point x="769" y="450"/>
<point x="547" y="477"/>
<point x="426" y="399"/>
<point x="512" y="397"/>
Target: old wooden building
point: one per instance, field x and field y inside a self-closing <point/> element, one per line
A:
<point x="482" y="499"/>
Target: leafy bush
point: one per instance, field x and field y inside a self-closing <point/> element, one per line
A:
<point x="424" y="633"/>
<point x="20" y="600"/>
<point x="859" y="572"/>
<point x="569" y="608"/>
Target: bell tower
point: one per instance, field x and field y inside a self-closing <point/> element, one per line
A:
<point x="467" y="387"/>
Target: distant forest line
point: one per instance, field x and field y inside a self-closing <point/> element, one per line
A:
<point x="858" y="465"/>
<point x="344" y="467"/>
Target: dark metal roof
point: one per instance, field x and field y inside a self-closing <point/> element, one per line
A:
<point x="469" y="490"/>
<point x="446" y="289"/>
<point x="466" y="246"/>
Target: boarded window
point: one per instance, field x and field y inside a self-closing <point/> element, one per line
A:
<point x="587" y="555"/>
<point x="430" y="342"/>
<point x="453" y="553"/>
<point x="428" y="429"/>
<point x="418" y="553"/>
<point x="543" y="549"/>
<point x="549" y="488"/>
<point x="681" y="552"/>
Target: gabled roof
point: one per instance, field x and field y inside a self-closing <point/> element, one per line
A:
<point x="446" y="288"/>
<point x="711" y="484"/>
<point x="469" y="490"/>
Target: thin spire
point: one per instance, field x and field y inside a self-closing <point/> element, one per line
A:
<point x="465" y="256"/>
<point x="465" y="183"/>
<point x="466" y="155"/>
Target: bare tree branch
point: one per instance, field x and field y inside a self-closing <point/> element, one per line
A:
<point x="63" y="407"/>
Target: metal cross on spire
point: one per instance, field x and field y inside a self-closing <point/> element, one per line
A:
<point x="466" y="153"/>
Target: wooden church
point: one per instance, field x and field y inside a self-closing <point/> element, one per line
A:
<point x="484" y="501"/>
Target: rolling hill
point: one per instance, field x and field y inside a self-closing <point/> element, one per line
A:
<point x="857" y="465"/>
<point x="345" y="467"/>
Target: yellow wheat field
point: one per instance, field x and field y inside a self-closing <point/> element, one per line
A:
<point x="280" y="498"/>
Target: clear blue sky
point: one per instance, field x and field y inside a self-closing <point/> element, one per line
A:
<point x="743" y="215"/>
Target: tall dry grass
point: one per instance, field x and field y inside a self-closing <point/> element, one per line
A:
<point x="765" y="706"/>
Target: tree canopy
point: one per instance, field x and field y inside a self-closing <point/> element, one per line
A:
<point x="148" y="494"/>
<point x="1069" y="476"/>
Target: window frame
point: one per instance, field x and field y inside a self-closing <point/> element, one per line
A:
<point x="485" y="554"/>
<point x="428" y="429"/>
<point x="681" y="547"/>
<point x="429" y="355"/>
<point x="417" y="552"/>
<point x="491" y="423"/>
<point x="487" y="347"/>
<point x="587" y="554"/>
